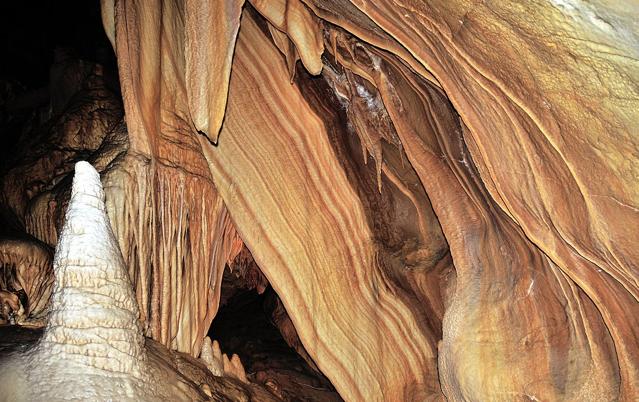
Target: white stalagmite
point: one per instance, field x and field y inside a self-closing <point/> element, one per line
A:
<point x="92" y="347"/>
<point x="211" y="356"/>
<point x="94" y="314"/>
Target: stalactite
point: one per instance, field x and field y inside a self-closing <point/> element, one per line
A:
<point x="211" y="31"/>
<point x="176" y="237"/>
<point x="302" y="27"/>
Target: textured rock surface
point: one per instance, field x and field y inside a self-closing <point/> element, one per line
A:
<point x="516" y="121"/>
<point x="305" y="254"/>
<point x="443" y="194"/>
<point x="27" y="274"/>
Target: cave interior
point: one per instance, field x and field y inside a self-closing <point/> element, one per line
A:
<point x="319" y="200"/>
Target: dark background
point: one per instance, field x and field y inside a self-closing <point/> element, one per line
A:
<point x="31" y="30"/>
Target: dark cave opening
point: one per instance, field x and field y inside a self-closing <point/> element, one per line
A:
<point x="254" y="326"/>
<point x="44" y="45"/>
<point x="31" y="31"/>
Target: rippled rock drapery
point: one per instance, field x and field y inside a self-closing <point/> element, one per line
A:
<point x="487" y="250"/>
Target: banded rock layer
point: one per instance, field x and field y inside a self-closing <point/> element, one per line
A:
<point x="486" y="250"/>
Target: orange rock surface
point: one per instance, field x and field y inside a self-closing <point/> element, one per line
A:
<point x="443" y="194"/>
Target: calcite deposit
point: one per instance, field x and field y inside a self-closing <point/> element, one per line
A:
<point x="439" y="200"/>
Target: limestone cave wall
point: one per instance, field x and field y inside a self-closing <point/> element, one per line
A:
<point x="442" y="194"/>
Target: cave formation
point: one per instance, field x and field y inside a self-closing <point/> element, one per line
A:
<point x="320" y="200"/>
